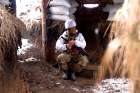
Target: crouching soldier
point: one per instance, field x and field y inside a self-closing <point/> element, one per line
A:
<point x="70" y="46"/>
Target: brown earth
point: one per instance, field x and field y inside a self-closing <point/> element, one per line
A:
<point x="44" y="78"/>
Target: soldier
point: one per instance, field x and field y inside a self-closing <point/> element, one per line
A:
<point x="70" y="46"/>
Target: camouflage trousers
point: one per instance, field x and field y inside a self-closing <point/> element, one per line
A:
<point x="74" y="62"/>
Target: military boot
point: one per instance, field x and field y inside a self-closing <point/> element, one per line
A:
<point x="66" y="75"/>
<point x="73" y="77"/>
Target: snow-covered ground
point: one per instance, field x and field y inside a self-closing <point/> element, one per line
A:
<point x="114" y="86"/>
<point x="25" y="46"/>
<point x="29" y="11"/>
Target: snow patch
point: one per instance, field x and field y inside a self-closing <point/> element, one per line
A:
<point x="75" y="89"/>
<point x="113" y="86"/>
<point x="25" y="46"/>
<point x="29" y="11"/>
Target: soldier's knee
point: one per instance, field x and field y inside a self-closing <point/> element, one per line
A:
<point x="83" y="61"/>
<point x="77" y="68"/>
<point x="63" y="57"/>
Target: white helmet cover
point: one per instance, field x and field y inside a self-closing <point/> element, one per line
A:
<point x="70" y="23"/>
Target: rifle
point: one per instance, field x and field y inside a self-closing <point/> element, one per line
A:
<point x="80" y="50"/>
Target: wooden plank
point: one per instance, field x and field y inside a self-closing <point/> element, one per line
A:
<point x="43" y="29"/>
<point x="92" y="67"/>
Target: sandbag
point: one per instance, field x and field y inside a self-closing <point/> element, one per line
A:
<point x="74" y="3"/>
<point x="72" y="10"/>
<point x="60" y="3"/>
<point x="60" y="17"/>
<point x="4" y="2"/>
<point x="62" y="10"/>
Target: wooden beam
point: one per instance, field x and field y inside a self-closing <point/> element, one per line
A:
<point x="44" y="32"/>
<point x="90" y="1"/>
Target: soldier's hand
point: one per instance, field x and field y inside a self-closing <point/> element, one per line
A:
<point x="71" y="44"/>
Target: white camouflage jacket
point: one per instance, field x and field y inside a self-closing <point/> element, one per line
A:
<point x="79" y="41"/>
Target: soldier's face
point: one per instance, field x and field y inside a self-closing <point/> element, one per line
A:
<point x="72" y="31"/>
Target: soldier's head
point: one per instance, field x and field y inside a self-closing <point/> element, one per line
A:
<point x="70" y="25"/>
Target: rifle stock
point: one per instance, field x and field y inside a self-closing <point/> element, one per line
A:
<point x="81" y="50"/>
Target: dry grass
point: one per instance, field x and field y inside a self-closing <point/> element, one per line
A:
<point x="10" y="39"/>
<point x="124" y="60"/>
<point x="51" y="26"/>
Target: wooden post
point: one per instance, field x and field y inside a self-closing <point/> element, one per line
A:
<point x="44" y="32"/>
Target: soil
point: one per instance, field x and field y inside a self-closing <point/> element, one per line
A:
<point x="44" y="78"/>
